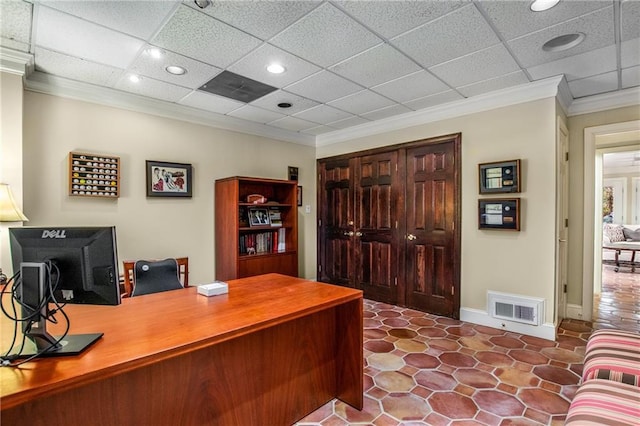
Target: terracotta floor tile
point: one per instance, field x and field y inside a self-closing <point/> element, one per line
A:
<point x="453" y="405"/>
<point x="499" y="403"/>
<point x="511" y="379"/>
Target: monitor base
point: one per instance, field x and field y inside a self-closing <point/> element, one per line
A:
<point x="73" y="344"/>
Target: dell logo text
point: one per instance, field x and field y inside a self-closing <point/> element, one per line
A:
<point x="59" y="233"/>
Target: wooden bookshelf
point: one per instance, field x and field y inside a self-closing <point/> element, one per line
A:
<point x="249" y="238"/>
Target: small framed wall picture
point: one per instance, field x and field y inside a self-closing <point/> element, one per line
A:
<point x="292" y="173"/>
<point x="499" y="213"/>
<point x="500" y="177"/>
<point x="169" y="179"/>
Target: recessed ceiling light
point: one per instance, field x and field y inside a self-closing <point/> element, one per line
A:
<point x="542" y="5"/>
<point x="134" y="78"/>
<point x="155" y="52"/>
<point x="202" y="3"/>
<point x="275" y="68"/>
<point x="563" y="42"/>
<point x="176" y="70"/>
<point x="284" y="105"/>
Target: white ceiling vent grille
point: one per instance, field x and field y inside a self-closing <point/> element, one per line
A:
<point x="528" y="310"/>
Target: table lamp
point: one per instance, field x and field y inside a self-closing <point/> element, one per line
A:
<point x="9" y="212"/>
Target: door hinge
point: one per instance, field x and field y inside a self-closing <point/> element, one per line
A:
<point x="566" y="156"/>
<point x="453" y="290"/>
<point x="565" y="288"/>
<point x="566" y="223"/>
<point x="319" y="268"/>
<point x="396" y="224"/>
<point x="395" y="281"/>
<point x="319" y="223"/>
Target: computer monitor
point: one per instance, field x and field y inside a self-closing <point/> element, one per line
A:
<point x="62" y="265"/>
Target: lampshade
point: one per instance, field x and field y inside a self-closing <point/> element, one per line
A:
<point x="9" y="211"/>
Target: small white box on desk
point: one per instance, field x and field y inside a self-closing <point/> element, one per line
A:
<point x="213" y="289"/>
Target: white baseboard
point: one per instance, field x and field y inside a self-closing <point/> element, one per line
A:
<point x="574" y="312"/>
<point x="476" y="316"/>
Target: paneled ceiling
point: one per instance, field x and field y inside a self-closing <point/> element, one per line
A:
<point x="347" y="63"/>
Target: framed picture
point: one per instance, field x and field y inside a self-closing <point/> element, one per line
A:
<point x="499" y="177"/>
<point x="499" y="213"/>
<point x="292" y="172"/>
<point x="299" y="195"/>
<point x="169" y="179"/>
<point x="259" y="217"/>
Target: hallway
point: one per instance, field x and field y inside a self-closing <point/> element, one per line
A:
<point x="618" y="306"/>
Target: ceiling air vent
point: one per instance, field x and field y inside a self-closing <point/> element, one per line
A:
<point x="236" y="87"/>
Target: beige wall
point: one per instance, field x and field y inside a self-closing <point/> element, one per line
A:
<point x="513" y="262"/>
<point x="10" y="151"/>
<point x="150" y="227"/>
<point x="577" y="124"/>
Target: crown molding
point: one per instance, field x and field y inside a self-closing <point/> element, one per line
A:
<point x="15" y="62"/>
<point x="541" y="89"/>
<point x="605" y="101"/>
<point x="62" y="87"/>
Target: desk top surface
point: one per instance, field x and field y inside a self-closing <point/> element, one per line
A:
<point x="147" y="329"/>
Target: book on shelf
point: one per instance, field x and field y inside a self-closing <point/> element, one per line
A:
<point x="263" y="242"/>
<point x="275" y="217"/>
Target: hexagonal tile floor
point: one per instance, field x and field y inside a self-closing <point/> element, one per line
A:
<point x="421" y="369"/>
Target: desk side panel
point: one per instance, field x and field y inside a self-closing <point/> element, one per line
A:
<point x="350" y="364"/>
<point x="281" y="373"/>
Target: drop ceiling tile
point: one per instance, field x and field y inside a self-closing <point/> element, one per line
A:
<point x="390" y="18"/>
<point x="376" y="65"/>
<point x="249" y="112"/>
<point x="76" y="37"/>
<point x="324" y="87"/>
<point x="263" y="19"/>
<point x="199" y="36"/>
<point x="386" y="112"/>
<point x="292" y="123"/>
<point x="629" y="20"/>
<point x="594" y="85"/>
<point x="630" y="77"/>
<point x="349" y="122"/>
<point x="137" y="18"/>
<point x="322" y="114"/>
<point x="211" y="102"/>
<point x="490" y="85"/>
<point x="583" y="65"/>
<point x="254" y="66"/>
<point x="153" y="89"/>
<point x="272" y="100"/>
<point x="433" y="100"/>
<point x="478" y="66"/>
<point x="461" y="32"/>
<point x="412" y="86"/>
<point x="515" y="18"/>
<point x="15" y="24"/>
<point x="197" y="73"/>
<point x="325" y="36"/>
<point x="75" y="68"/>
<point x="361" y="102"/>
<point x="630" y="53"/>
<point x="318" y="130"/>
<point x="597" y="26"/>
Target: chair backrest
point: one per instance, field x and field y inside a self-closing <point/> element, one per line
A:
<point x="129" y="278"/>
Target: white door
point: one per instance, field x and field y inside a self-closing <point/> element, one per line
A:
<point x="635" y="200"/>
<point x="562" y="218"/>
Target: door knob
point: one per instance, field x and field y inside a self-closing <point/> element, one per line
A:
<point x="350" y="223"/>
<point x="358" y="234"/>
<point x="411" y="237"/>
<point x="348" y="234"/>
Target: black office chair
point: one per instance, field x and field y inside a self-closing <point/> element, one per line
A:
<point x="155" y="276"/>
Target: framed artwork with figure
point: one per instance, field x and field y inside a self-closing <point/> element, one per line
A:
<point x="166" y="179"/>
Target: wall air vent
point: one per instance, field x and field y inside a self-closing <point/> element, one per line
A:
<point x="528" y="310"/>
<point x="236" y="87"/>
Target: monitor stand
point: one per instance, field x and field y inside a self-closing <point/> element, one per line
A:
<point x="73" y="344"/>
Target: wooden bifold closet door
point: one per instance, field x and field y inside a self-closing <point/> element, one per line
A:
<point x="389" y="224"/>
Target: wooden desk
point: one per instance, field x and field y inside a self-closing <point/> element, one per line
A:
<point x="271" y="351"/>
